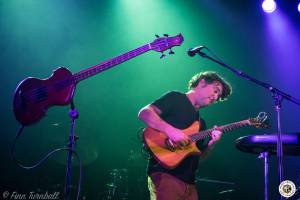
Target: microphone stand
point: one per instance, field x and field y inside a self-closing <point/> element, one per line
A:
<point x="72" y="139"/>
<point x="277" y="95"/>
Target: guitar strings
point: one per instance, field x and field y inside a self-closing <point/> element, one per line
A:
<point x="204" y="134"/>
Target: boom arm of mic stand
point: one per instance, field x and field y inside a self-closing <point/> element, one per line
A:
<point x="247" y="77"/>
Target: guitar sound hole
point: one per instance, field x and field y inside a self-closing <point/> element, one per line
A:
<point x="169" y="146"/>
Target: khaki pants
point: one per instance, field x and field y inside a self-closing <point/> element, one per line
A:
<point x="163" y="186"/>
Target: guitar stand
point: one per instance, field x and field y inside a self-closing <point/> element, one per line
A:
<point x="72" y="139"/>
<point x="264" y="155"/>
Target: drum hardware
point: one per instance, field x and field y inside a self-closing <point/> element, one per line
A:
<point x="265" y="145"/>
<point x="117" y="187"/>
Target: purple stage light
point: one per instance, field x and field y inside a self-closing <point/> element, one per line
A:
<point x="298" y="7"/>
<point x="269" y="6"/>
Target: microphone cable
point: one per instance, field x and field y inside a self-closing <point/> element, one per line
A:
<point x="46" y="157"/>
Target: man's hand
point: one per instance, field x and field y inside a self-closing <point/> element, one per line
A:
<point x="215" y="136"/>
<point x="177" y="137"/>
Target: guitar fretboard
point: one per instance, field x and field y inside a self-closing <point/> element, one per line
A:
<point x="225" y="128"/>
<point x="110" y="63"/>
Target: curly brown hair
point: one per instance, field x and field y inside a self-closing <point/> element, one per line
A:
<point x="210" y="77"/>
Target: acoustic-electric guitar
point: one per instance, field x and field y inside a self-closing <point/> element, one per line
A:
<point x="169" y="156"/>
<point x="34" y="96"/>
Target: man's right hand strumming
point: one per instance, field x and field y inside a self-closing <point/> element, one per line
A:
<point x="177" y="137"/>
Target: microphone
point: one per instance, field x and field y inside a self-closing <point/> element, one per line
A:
<point x="192" y="51"/>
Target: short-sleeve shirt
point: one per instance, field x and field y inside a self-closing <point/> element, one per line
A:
<point x="177" y="110"/>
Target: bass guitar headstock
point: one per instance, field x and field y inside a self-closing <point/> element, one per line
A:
<point x="163" y="43"/>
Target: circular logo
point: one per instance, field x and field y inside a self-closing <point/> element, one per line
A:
<point x="287" y="188"/>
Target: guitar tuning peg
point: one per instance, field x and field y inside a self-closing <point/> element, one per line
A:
<point x="171" y="51"/>
<point x="166" y="35"/>
<point x="162" y="55"/>
<point x="156" y="35"/>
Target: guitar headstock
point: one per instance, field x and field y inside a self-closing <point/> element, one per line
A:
<point x="261" y="121"/>
<point x="163" y="43"/>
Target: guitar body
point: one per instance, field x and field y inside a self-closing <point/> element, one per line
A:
<point x="156" y="142"/>
<point x="34" y="96"/>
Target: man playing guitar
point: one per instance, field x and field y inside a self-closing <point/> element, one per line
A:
<point x="172" y="113"/>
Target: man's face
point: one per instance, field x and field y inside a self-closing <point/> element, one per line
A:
<point x="207" y="94"/>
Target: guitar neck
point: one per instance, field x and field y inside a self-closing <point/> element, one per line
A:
<point x="110" y="63"/>
<point x="225" y="128"/>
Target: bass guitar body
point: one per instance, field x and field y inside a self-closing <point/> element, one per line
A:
<point x="34" y="96"/>
<point x="158" y="144"/>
